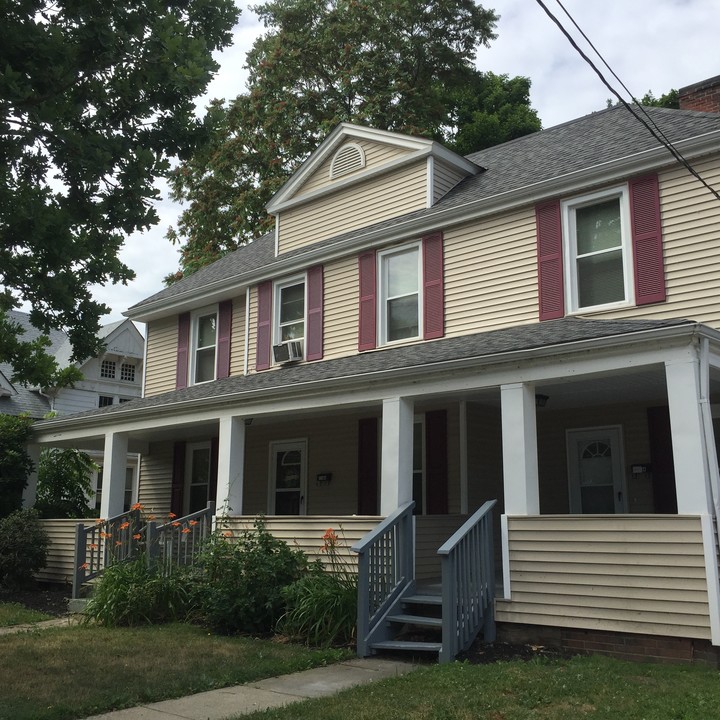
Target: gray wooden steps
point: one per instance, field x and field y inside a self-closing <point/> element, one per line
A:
<point x="407" y="645"/>
<point x="422" y="599"/>
<point x="407" y="619"/>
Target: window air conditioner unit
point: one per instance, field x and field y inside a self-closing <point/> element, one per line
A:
<point x="288" y="351"/>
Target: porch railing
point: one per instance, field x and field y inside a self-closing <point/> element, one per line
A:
<point x="105" y="543"/>
<point x="178" y="542"/>
<point x="468" y="584"/>
<point x="386" y="568"/>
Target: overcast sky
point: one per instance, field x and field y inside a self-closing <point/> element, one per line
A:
<point x="652" y="45"/>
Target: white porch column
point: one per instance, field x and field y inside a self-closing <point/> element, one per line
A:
<point x="397" y="454"/>
<point x="30" y="492"/>
<point x="519" y="442"/>
<point x="231" y="466"/>
<point x="113" y="486"/>
<point x="692" y="481"/>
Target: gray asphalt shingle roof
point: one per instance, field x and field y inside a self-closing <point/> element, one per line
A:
<point x="480" y="345"/>
<point x="586" y="142"/>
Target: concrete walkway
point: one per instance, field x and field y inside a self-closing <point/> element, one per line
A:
<point x="57" y="622"/>
<point x="269" y="693"/>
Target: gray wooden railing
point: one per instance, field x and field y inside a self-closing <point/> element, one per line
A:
<point x="178" y="542"/>
<point x="104" y="543"/>
<point x="386" y="569"/>
<point x="468" y="584"/>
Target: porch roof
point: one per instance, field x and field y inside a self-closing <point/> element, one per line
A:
<point x="435" y="356"/>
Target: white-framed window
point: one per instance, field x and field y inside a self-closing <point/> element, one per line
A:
<point x="400" y="294"/>
<point x="598" y="250"/>
<point x="203" y="345"/>
<point x="107" y="369"/>
<point x="289" y="314"/>
<point x="127" y="372"/>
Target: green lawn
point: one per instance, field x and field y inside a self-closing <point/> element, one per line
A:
<point x="584" y="687"/>
<point x="16" y="614"/>
<point x="73" y="672"/>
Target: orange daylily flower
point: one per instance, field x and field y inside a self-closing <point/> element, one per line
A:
<point x="137" y="536"/>
<point x="185" y="531"/>
<point x="175" y="524"/>
<point x="124" y="526"/>
<point x="84" y="566"/>
<point x="228" y="533"/>
<point x="193" y="522"/>
<point x="93" y="546"/>
<point x="118" y="542"/>
<point x="105" y="535"/>
<point x="172" y="515"/>
<point x="136" y="506"/>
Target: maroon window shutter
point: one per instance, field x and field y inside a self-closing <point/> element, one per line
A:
<point x="314" y="334"/>
<point x="264" y="330"/>
<point x="436" y="462"/>
<point x="433" y="288"/>
<point x="367" y="266"/>
<point x="368" y="466"/>
<point x="647" y="240"/>
<point x="183" y="351"/>
<point x="178" y="479"/>
<point x="550" y="260"/>
<point x="213" y="477"/>
<point x="223" y="342"/>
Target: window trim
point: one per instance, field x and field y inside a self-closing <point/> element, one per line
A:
<point x="194" y="321"/>
<point x="278" y="287"/>
<point x="382" y="298"/>
<point x="567" y="209"/>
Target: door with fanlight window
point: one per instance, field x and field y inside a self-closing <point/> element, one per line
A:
<point x="288" y="474"/>
<point x="595" y="471"/>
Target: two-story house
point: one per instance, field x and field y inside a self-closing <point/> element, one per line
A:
<point x="535" y="323"/>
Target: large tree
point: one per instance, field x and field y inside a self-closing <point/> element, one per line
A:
<point x="94" y="99"/>
<point x="399" y="65"/>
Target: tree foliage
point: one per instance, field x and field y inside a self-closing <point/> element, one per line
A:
<point x="15" y="463"/>
<point x="94" y="99"/>
<point x="398" y="65"/>
<point x="64" y="483"/>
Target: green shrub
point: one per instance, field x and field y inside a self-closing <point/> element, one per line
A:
<point x="322" y="605"/>
<point x="23" y="547"/>
<point x="15" y="463"/>
<point x="131" y="593"/>
<point x="243" y="581"/>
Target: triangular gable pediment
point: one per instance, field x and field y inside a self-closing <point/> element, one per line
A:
<point x="352" y="154"/>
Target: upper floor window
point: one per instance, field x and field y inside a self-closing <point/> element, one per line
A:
<point x="596" y="230"/>
<point x="400" y="306"/>
<point x="289" y="310"/>
<point x="107" y="369"/>
<point x="203" y="346"/>
<point x="127" y="372"/>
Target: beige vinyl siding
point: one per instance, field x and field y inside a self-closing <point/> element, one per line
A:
<point x="237" y="343"/>
<point x="162" y="339"/>
<point x="491" y="274"/>
<point x="623" y="573"/>
<point x="156" y="478"/>
<point x="342" y="297"/>
<point x="431" y="531"/>
<point x="252" y="330"/>
<point x="306" y="533"/>
<point x="60" y="565"/>
<point x="690" y="223"/>
<point x="445" y="178"/>
<point x="381" y="198"/>
<point x="376" y="155"/>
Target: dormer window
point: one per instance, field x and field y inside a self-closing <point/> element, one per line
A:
<point x="347" y="159"/>
<point x="107" y="369"/>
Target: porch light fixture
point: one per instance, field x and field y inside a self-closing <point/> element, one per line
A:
<point x="541" y="400"/>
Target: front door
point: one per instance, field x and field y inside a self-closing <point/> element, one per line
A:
<point x="197" y="477"/>
<point x="288" y="477"/>
<point x="595" y="470"/>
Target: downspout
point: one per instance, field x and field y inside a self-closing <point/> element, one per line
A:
<point x="711" y="530"/>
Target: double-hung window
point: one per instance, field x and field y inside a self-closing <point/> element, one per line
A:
<point x="598" y="248"/>
<point x="400" y="306"/>
<point x="203" y="346"/>
<point x="289" y="310"/>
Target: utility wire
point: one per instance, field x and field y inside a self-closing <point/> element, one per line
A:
<point x="657" y="134"/>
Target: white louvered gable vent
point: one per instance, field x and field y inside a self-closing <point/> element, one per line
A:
<point x="348" y="158"/>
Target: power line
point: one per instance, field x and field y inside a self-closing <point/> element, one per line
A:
<point x="654" y="131"/>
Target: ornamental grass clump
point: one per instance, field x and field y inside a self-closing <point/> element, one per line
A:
<point x="322" y="605"/>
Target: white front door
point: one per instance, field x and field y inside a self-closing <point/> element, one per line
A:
<point x="288" y="477"/>
<point x="595" y="470"/>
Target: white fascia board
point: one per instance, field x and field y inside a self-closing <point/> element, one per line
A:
<point x="570" y="183"/>
<point x="475" y="373"/>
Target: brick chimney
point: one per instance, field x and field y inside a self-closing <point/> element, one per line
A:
<point x="703" y="96"/>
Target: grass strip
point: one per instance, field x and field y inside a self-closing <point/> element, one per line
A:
<point x="595" y="687"/>
<point x="60" y="674"/>
<point x="15" y="614"/>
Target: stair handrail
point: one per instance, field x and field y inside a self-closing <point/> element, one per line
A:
<point x="386" y="566"/>
<point x="179" y="541"/>
<point x="468" y="583"/>
<point x="104" y="543"/>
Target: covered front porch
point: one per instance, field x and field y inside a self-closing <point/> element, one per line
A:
<point x="599" y="450"/>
